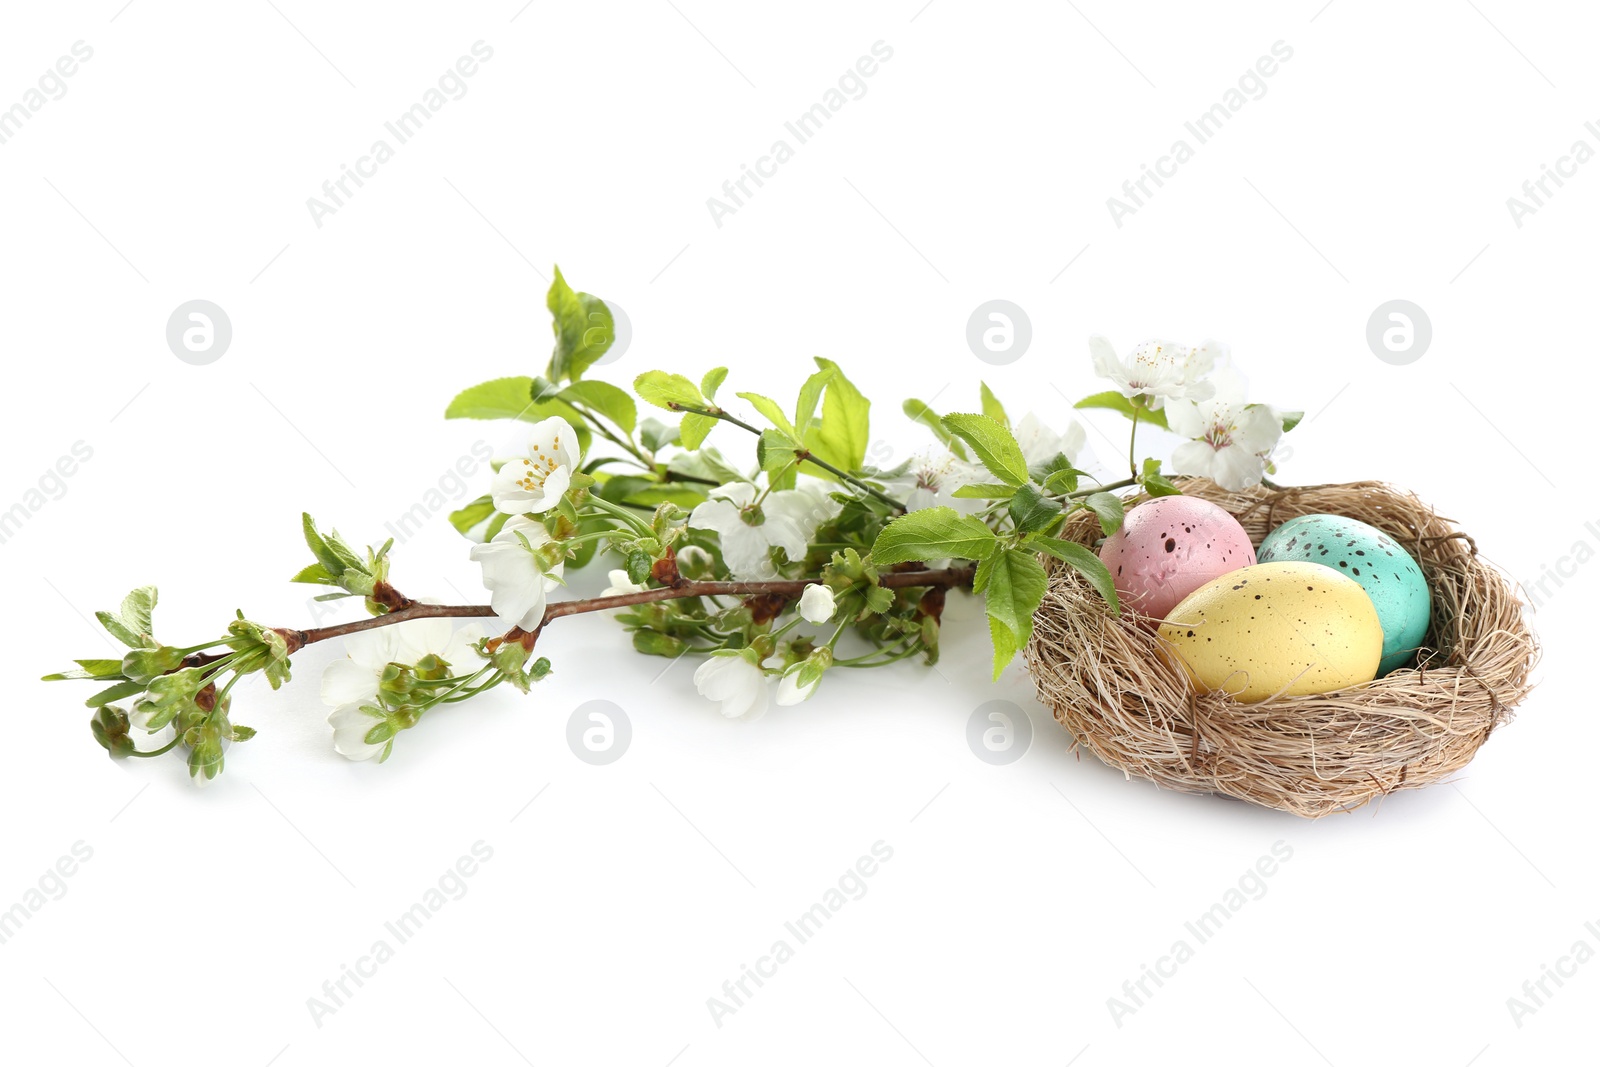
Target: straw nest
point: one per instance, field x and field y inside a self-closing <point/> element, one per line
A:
<point x="1109" y="685"/>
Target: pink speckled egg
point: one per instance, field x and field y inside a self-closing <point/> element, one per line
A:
<point x="1171" y="546"/>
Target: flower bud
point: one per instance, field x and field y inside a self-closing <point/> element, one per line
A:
<point x="143" y="664"/>
<point x="695" y="563"/>
<point x="110" y="729"/>
<point x="652" y="643"/>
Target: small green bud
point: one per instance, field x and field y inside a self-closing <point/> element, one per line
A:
<point x="695" y="563"/>
<point x="397" y="682"/>
<point x="652" y="643"/>
<point x="143" y="664"/>
<point x="176" y="689"/>
<point x="110" y="729"/>
<point x="431" y="668"/>
<point x="510" y="659"/>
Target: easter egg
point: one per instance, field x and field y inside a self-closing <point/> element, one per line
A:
<point x="1169" y="547"/>
<point x="1289" y="628"/>
<point x="1386" y="571"/>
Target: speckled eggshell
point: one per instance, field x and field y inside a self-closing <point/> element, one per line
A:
<point x="1385" y="570"/>
<point x="1169" y="547"/>
<point x="1277" y="628"/>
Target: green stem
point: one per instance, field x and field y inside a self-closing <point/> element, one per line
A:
<point x="600" y="503"/>
<point x="435" y="701"/>
<point x="800" y="454"/>
<point x="647" y="462"/>
<point x="162" y="751"/>
<point x="1133" y="437"/>
<point x="880" y="658"/>
<point x="1126" y="483"/>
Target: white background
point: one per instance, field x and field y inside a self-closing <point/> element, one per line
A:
<point x="977" y="165"/>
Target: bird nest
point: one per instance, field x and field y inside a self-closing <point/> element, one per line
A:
<point x="1108" y="682"/>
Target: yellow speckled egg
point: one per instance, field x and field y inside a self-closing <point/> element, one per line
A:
<point x="1290" y="628"/>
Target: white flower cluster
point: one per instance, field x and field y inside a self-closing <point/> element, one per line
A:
<point x="1230" y="439"/>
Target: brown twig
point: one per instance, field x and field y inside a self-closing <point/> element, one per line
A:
<point x="951" y="577"/>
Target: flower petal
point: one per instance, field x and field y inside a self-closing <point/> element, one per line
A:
<point x="351" y="723"/>
<point x="345" y="681"/>
<point x="1194" y="458"/>
<point x="1236" y="469"/>
<point x="1106" y="363"/>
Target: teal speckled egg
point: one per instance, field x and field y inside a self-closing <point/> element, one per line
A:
<point x="1374" y="559"/>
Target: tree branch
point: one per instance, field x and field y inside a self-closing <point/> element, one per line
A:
<point x="948" y="578"/>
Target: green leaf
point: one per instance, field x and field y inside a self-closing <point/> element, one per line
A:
<point x="116" y="692"/>
<point x="1084" y="562"/>
<point x="705" y="463"/>
<point x="713" y="381"/>
<point x="605" y="398"/>
<point x="933" y="533"/>
<point x="774" y="451"/>
<point x="924" y="415"/>
<point x="137" y="607"/>
<point x="319" y="546"/>
<point x="1063" y="480"/>
<point x="502" y="398"/>
<point x="1108" y="506"/>
<point x="1291" y="419"/>
<point x="1115" y="401"/>
<point x="985" y="491"/>
<point x="464" y="519"/>
<point x="842" y="438"/>
<point x="631" y="489"/>
<point x="1156" y="485"/>
<point x="583" y="328"/>
<point x="1032" y="511"/>
<point x="116" y="628"/>
<point x="811" y="392"/>
<point x="89" y="670"/>
<point x="773" y="413"/>
<point x="315" y="574"/>
<point x="1013" y="584"/>
<point x="693" y="430"/>
<point x="993" y="445"/>
<point x="991" y="405"/>
<point x="656" y="435"/>
<point x="664" y="390"/>
<point x="1006" y="645"/>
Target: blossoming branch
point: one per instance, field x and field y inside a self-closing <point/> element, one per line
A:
<point x="776" y="570"/>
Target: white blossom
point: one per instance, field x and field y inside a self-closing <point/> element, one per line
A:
<point x="350" y="685"/>
<point x="786" y="519"/>
<point x="735" y="680"/>
<point x="816" y="604"/>
<point x="931" y="482"/>
<point x="351" y="724"/>
<point x="790" y="691"/>
<point x="1158" y="370"/>
<point x="1040" y="443"/>
<point x="534" y="484"/>
<point x="1230" y="439"/>
<point x="620" y="585"/>
<point x="513" y="573"/>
